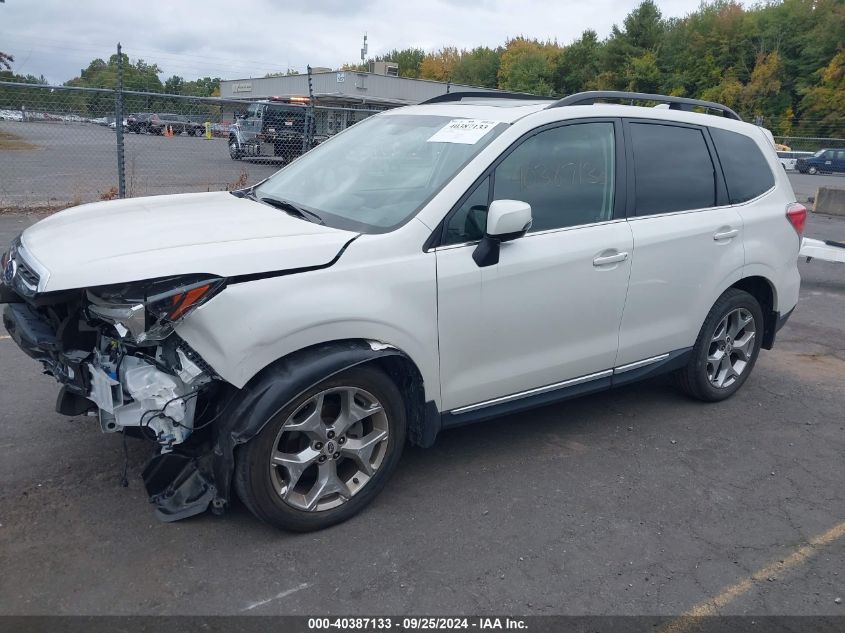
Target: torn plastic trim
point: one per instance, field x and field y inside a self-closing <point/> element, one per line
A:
<point x="177" y="486"/>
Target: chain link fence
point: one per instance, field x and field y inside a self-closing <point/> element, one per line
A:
<point x="64" y="145"/>
<point x="809" y="143"/>
<point x="61" y="146"/>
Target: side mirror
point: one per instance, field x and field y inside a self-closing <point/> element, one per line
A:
<point x="506" y="220"/>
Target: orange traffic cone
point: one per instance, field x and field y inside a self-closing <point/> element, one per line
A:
<point x="168" y="131"/>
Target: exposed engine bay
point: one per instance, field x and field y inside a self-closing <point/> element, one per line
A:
<point x="119" y="356"/>
<point x="114" y="351"/>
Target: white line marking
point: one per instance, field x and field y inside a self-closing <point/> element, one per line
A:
<point x="284" y="594"/>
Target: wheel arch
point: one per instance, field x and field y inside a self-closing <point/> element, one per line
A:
<point x="763" y="290"/>
<point x="278" y="384"/>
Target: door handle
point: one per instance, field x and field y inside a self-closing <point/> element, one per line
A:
<point x="604" y="260"/>
<point x="726" y="235"/>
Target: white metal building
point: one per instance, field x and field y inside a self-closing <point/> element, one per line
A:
<point x="348" y="88"/>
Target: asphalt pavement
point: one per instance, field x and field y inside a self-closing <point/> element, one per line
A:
<point x="634" y="501"/>
<point x="77" y="162"/>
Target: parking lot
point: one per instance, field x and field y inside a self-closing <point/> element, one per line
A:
<point x="637" y="500"/>
<point x="74" y="163"/>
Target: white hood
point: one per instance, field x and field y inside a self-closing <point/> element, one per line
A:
<point x="142" y="238"/>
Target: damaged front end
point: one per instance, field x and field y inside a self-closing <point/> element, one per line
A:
<point x="116" y="354"/>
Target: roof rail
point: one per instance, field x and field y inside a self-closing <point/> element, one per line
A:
<point x="675" y="103"/>
<point x="491" y="94"/>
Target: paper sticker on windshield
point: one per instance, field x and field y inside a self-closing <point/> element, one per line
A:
<point x="466" y="131"/>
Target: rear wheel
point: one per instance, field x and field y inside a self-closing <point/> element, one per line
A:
<point x="726" y="348"/>
<point x="323" y="458"/>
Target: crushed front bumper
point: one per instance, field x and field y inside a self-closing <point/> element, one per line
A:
<point x="38" y="340"/>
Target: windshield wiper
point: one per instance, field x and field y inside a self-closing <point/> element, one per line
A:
<point x="292" y="209"/>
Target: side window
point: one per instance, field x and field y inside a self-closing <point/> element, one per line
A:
<point x="467" y="224"/>
<point x="566" y="174"/>
<point x="840" y="154"/>
<point x="673" y="170"/>
<point x="747" y="174"/>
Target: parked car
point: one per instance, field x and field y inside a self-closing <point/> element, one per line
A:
<point x="823" y="161"/>
<point x="11" y="115"/>
<point x="157" y="123"/>
<point x="789" y="159"/>
<point x="113" y="125"/>
<point x="429" y="267"/>
<point x="137" y="122"/>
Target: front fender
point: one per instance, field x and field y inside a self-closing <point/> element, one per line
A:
<point x="276" y="386"/>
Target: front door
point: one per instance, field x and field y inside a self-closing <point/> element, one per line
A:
<point x="549" y="311"/>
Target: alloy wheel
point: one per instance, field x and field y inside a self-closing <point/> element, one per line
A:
<point x="731" y="347"/>
<point x="329" y="448"/>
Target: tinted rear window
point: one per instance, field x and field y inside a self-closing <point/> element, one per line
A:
<point x="673" y="169"/>
<point x="747" y="173"/>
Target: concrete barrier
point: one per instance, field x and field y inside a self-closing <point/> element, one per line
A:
<point x="830" y="201"/>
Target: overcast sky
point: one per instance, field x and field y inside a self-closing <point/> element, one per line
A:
<point x="244" y="38"/>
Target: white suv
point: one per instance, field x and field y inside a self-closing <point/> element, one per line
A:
<point x="431" y="266"/>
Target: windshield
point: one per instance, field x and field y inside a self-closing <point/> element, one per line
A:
<point x="381" y="171"/>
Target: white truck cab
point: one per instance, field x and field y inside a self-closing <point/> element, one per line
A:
<point x="430" y="266"/>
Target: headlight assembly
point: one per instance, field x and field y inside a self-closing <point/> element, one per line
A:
<point x="148" y="311"/>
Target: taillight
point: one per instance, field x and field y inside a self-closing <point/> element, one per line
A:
<point x="797" y="216"/>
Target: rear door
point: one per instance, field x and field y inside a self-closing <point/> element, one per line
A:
<point x="687" y="241"/>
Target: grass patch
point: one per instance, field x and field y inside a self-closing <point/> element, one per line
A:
<point x="9" y="141"/>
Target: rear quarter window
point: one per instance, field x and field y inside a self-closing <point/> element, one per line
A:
<point x="747" y="173"/>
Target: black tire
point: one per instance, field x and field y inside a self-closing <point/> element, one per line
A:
<point x="813" y="171"/>
<point x="252" y="477"/>
<point x="693" y="379"/>
<point x="235" y="152"/>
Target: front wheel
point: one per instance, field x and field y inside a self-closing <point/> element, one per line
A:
<point x="324" y="457"/>
<point x="726" y="348"/>
<point x="234" y="149"/>
<point x="813" y="171"/>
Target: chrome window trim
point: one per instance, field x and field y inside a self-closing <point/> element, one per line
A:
<point x="530" y="234"/>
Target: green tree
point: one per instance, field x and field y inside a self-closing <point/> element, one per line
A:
<point x="642" y="73"/>
<point x="478" y="67"/>
<point x="174" y="85"/>
<point x="642" y="31"/>
<point x="439" y="64"/>
<point x="578" y="64"/>
<point x="823" y="104"/>
<point x="528" y="65"/>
